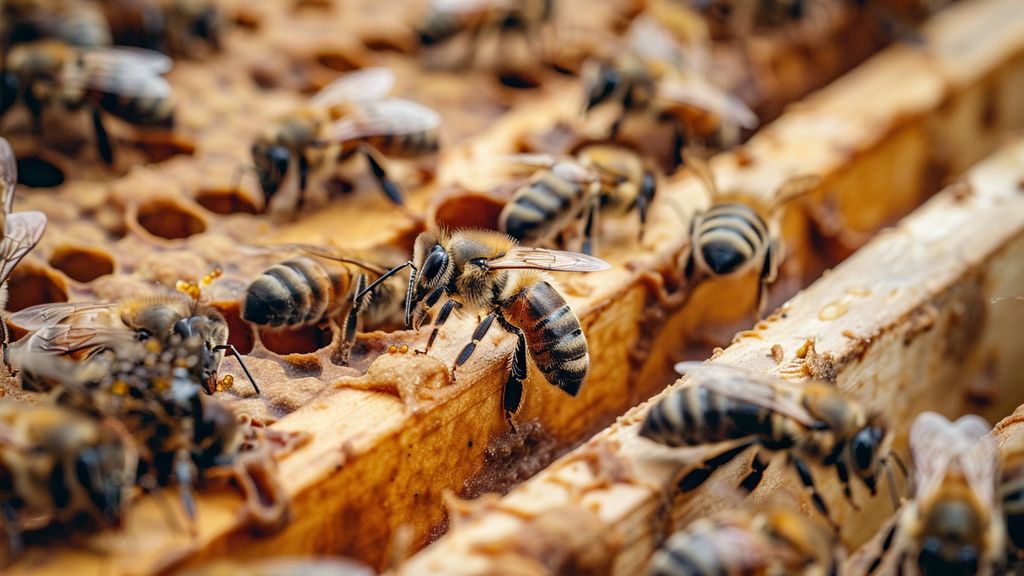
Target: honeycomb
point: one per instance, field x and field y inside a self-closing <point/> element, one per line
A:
<point x="175" y="207"/>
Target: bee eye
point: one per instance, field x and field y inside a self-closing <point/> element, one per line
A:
<point x="183" y="328"/>
<point x="279" y="158"/>
<point x="435" y="264"/>
<point x="142" y="334"/>
<point x="607" y="79"/>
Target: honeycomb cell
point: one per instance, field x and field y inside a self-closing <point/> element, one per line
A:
<point x="468" y="210"/>
<point x="226" y="201"/>
<point x="337" y="60"/>
<point x="161" y="147"/>
<point x="38" y="172"/>
<point x="82" y="264"/>
<point x="32" y="285"/>
<point x="170" y="220"/>
<point x="299" y="341"/>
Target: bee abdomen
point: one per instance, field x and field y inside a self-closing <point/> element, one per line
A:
<point x="553" y="336"/>
<point x="438" y="27"/>
<point x="537" y="206"/>
<point x="1011" y="492"/>
<point x="296" y="292"/>
<point x="729" y="236"/>
<point x="688" y="554"/>
<point x="695" y="415"/>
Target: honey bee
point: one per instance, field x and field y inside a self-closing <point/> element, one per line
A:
<point x="953" y="525"/>
<point x="489" y="272"/>
<point x="100" y="333"/>
<point x="573" y="190"/>
<point x="349" y="116"/>
<point x="737" y="234"/>
<point x="125" y="83"/>
<point x="177" y="27"/>
<point x="307" y="290"/>
<point x="59" y="465"/>
<point x="447" y="19"/>
<point x="22" y="231"/>
<point x="77" y="22"/>
<point x="772" y="541"/>
<point x="654" y="79"/>
<point x="739" y="411"/>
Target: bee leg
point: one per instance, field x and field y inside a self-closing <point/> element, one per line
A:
<point x="757" y="468"/>
<point x="694" y="478"/>
<point x="512" y="394"/>
<point x="478" y="335"/>
<point x="591" y="223"/>
<point x="808" y="482"/>
<point x="642" y="200"/>
<point x="442" y="317"/>
<point x="766" y="276"/>
<point x="425" y="306"/>
<point x="389" y="188"/>
<point x="844" y="478"/>
<point x="15" y="545"/>
<point x="184" y="474"/>
<point x="300" y="202"/>
<point x="102" y="138"/>
<point x="884" y="549"/>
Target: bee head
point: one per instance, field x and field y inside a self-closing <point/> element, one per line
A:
<point x="209" y="333"/>
<point x="271" y="161"/>
<point x="601" y="80"/>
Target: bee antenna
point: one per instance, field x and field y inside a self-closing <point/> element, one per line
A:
<point x="891" y="457"/>
<point x="232" y="351"/>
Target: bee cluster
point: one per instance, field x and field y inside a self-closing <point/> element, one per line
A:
<point x="344" y="194"/>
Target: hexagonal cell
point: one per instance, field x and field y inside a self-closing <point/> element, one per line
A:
<point x="226" y="201"/>
<point x="170" y="220"/>
<point x="82" y="264"/>
<point x="31" y="285"/>
<point x="38" y="172"/>
<point x="240" y="333"/>
<point x="299" y="341"/>
<point x="465" y="209"/>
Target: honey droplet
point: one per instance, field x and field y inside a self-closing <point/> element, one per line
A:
<point x="404" y="348"/>
<point x="392" y="349"/>
<point x="225" y="383"/>
<point x="832" y="311"/>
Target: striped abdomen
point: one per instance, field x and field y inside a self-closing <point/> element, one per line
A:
<point x="411" y="145"/>
<point x="728" y="237"/>
<point x="696" y="415"/>
<point x="145" y="112"/>
<point x="707" y="548"/>
<point x="540" y="208"/>
<point x="553" y="334"/>
<point x="1011" y="493"/>
<point x="297" y="292"/>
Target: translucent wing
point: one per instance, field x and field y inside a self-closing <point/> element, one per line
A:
<point x="22" y="231"/>
<point x="45" y="315"/>
<point x="937" y="444"/>
<point x="366" y="84"/>
<point x="122" y="71"/>
<point x="770" y="393"/>
<point x="8" y="175"/>
<point x="565" y="167"/>
<point x="705" y="96"/>
<point x="543" y="259"/>
<point x="393" y="116"/>
<point x="328" y="254"/>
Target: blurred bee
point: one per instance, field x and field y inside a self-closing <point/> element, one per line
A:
<point x="574" y="190"/>
<point x="655" y="80"/>
<point x="447" y="19"/>
<point x="737" y="233"/>
<point x="175" y="27"/>
<point x="59" y="465"/>
<point x="319" y="286"/>
<point x="22" y="231"/>
<point x="773" y="541"/>
<point x="125" y="83"/>
<point x="740" y="411"/>
<point x="76" y="22"/>
<point x="349" y="116"/>
<point x="486" y="271"/>
<point x="100" y="333"/>
<point x="953" y="525"/>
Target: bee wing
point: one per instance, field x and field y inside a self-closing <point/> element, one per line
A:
<point x="365" y="84"/>
<point x="8" y="175"/>
<point x="22" y="231"/>
<point x="46" y="315"/>
<point x="936" y="443"/>
<point x="392" y="116"/>
<point x="520" y="257"/>
<point x="743" y="385"/>
<point x="123" y="71"/>
<point x="706" y="96"/>
<point x="565" y="167"/>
